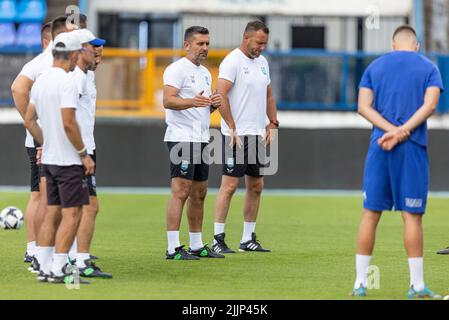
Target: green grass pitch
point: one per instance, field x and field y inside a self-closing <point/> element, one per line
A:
<point x="312" y="239"/>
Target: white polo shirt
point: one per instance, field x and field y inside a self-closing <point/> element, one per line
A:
<point x="32" y="70"/>
<point x="190" y="125"/>
<point x="53" y="91"/>
<point x="248" y="95"/>
<point x="85" y="115"/>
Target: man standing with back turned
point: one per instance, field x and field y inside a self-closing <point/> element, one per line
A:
<point x="398" y="93"/>
<point x="244" y="82"/>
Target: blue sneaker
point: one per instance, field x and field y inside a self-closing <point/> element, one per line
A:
<point x="359" y="292"/>
<point x="424" y="293"/>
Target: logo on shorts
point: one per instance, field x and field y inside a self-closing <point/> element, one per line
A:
<point x="84" y="183"/>
<point x="413" y="203"/>
<point x="230" y="165"/>
<point x="184" y="167"/>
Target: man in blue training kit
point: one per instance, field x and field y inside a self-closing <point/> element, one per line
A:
<point x="397" y="93"/>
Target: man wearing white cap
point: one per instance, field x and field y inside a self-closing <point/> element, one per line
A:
<point x="85" y="116"/>
<point x="54" y="101"/>
<point x="21" y="89"/>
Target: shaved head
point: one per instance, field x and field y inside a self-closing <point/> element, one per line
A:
<point x="405" y="38"/>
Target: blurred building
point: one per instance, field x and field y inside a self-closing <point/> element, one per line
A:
<point x="344" y="25"/>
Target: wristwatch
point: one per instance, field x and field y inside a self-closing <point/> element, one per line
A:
<point x="275" y="122"/>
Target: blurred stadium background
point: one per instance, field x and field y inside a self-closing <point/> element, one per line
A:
<point x="318" y="51"/>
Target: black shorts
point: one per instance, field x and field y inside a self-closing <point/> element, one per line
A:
<point x="189" y="160"/>
<point x="246" y="160"/>
<point x="35" y="169"/>
<point x="66" y="186"/>
<point x="92" y="180"/>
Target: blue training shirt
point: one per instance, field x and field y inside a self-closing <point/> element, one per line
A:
<point x="399" y="81"/>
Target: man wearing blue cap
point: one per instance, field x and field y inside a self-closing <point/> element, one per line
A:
<point x="86" y="118"/>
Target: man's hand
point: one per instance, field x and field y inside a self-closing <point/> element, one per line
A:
<point x="216" y="99"/>
<point x="39" y="156"/>
<point x="235" y="139"/>
<point x="201" y="101"/>
<point x="392" y="138"/>
<point x="271" y="131"/>
<point x="89" y="165"/>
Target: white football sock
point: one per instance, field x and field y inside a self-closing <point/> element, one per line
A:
<point x="173" y="241"/>
<point x="218" y="228"/>
<point x="73" y="250"/>
<point x="361" y="265"/>
<point x="81" y="258"/>
<point x="416" y="273"/>
<point x="31" y="248"/>
<point x="44" y="256"/>
<point x="248" y="229"/>
<point x="196" y="241"/>
<point x="59" y="261"/>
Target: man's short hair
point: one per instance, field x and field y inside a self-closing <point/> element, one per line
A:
<point x="190" y="32"/>
<point x="404" y="29"/>
<point x="46" y="28"/>
<point x="58" y="25"/>
<point x="60" y="55"/>
<point x="255" y="26"/>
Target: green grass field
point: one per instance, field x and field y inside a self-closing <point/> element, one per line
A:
<point x="312" y="241"/>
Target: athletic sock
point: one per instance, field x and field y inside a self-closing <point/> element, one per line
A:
<point x="73" y="250"/>
<point x="81" y="259"/>
<point x="218" y="228"/>
<point x="59" y="261"/>
<point x="31" y="248"/>
<point x="196" y="241"/>
<point x="44" y="256"/>
<point x="248" y="229"/>
<point x="173" y="241"/>
<point x="416" y="273"/>
<point x="361" y="265"/>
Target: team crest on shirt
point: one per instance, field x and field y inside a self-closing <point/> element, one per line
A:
<point x="192" y="78"/>
<point x="207" y="80"/>
<point x="263" y="71"/>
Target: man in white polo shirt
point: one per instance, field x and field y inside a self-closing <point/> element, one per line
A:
<point x="85" y="116"/>
<point x="54" y="101"/>
<point x="244" y="82"/>
<point x="21" y="89"/>
<point x="188" y="102"/>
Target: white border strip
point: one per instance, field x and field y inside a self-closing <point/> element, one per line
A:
<point x="292" y="120"/>
<point x="271" y="192"/>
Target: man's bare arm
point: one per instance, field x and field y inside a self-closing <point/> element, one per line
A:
<point x="223" y="87"/>
<point x="173" y="101"/>
<point x="30" y="122"/>
<point x="20" y="89"/>
<point x="366" y="110"/>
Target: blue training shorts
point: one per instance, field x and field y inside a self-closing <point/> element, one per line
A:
<point x="397" y="179"/>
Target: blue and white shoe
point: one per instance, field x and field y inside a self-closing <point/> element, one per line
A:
<point x="424" y="293"/>
<point x="359" y="292"/>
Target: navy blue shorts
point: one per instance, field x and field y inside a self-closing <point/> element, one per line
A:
<point x="397" y="179"/>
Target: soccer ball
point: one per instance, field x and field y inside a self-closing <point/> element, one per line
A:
<point x="11" y="218"/>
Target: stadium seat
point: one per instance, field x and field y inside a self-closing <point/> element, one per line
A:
<point x="7" y="10"/>
<point x="7" y="35"/>
<point x="29" y="35"/>
<point x="31" y="11"/>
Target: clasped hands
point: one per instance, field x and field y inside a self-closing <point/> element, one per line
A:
<point x="392" y="138"/>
